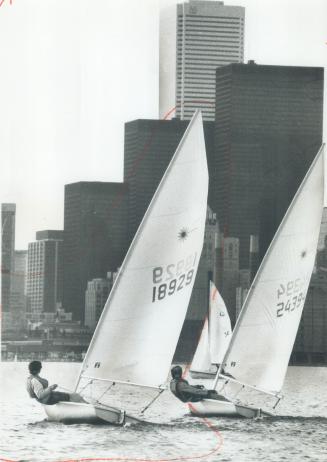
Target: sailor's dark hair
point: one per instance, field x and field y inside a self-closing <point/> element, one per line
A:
<point x="176" y="371"/>
<point x="34" y="367"/>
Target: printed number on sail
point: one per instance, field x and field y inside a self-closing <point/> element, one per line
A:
<point x="170" y="279"/>
<point x="290" y="297"/>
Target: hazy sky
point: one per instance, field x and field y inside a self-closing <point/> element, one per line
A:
<point x="73" y="71"/>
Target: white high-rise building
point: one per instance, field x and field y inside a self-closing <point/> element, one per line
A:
<point x="208" y="34"/>
<point x="45" y="272"/>
<point x="96" y="296"/>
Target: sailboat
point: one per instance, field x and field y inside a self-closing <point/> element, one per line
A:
<point x="214" y="339"/>
<point x="255" y="364"/>
<point x="134" y="342"/>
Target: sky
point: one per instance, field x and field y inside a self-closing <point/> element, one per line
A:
<point x="72" y="72"/>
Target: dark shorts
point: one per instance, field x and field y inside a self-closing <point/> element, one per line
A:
<point x="57" y="396"/>
<point x="214" y="395"/>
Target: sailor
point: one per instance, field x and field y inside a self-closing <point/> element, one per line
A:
<point x="190" y="393"/>
<point x="39" y="389"/>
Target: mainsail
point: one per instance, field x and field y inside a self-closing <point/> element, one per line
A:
<point x="202" y="360"/>
<point x="215" y="335"/>
<point x="220" y="329"/>
<point x="138" y="331"/>
<point x="265" y="332"/>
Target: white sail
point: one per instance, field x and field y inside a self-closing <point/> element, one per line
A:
<point x="265" y="332"/>
<point x="220" y="329"/>
<point x="202" y="360"/>
<point x="215" y="335"/>
<point x="138" y="331"/>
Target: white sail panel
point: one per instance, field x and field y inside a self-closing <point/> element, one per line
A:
<point x="139" y="328"/>
<point x="201" y="360"/>
<point x="220" y="329"/>
<point x="265" y="332"/>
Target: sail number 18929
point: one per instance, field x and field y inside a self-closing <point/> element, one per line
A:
<point x="170" y="279"/>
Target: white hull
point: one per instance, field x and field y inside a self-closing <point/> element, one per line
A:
<point x="214" y="407"/>
<point x="208" y="407"/>
<point x="203" y="375"/>
<point x="70" y="412"/>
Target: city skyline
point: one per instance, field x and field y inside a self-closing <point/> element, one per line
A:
<point x="58" y="126"/>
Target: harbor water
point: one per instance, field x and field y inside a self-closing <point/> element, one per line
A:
<point x="297" y="433"/>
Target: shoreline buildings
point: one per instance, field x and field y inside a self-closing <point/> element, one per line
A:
<point x="96" y="295"/>
<point x="95" y="237"/>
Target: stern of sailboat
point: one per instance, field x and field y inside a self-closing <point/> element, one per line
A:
<point x="71" y="412"/>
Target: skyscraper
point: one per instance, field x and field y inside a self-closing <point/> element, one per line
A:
<point x="199" y="303"/>
<point x="96" y="296"/>
<point x="209" y="34"/>
<point x="18" y="282"/>
<point x="268" y="130"/>
<point x="95" y="237"/>
<point x="8" y="215"/>
<point x="311" y="345"/>
<point x="45" y="272"/>
<point x="230" y="274"/>
<point x="149" y="147"/>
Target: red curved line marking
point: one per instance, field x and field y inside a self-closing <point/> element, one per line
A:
<point x="214" y="293"/>
<point x="1" y="3"/>
<point x="187" y="368"/>
<point x="169" y="112"/>
<point x="200" y="456"/>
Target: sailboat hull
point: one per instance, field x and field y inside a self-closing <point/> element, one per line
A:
<point x="70" y="412"/>
<point x="214" y="407"/>
<point x="209" y="407"/>
<point x="203" y="375"/>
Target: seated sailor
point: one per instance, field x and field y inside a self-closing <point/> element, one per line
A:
<point x="39" y="389"/>
<point x="190" y="393"/>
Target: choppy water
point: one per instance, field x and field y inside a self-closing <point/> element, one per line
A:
<point x="299" y="433"/>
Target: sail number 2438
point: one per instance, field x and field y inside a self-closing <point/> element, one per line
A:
<point x="172" y="278"/>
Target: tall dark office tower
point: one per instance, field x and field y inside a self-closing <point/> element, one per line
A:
<point x="95" y="237"/>
<point x="45" y="272"/>
<point x="268" y="130"/>
<point x="149" y="147"/>
<point x="209" y="34"/>
<point x="310" y="344"/>
<point x="8" y="214"/>
<point x="18" y="282"/>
